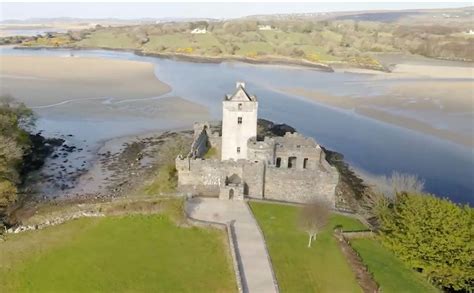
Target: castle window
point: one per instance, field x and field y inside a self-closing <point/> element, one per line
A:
<point x="238" y="150"/>
<point x="305" y="163"/>
<point x="239" y="120"/>
<point x="291" y="162"/>
<point x="278" y="162"/>
<point x="240" y="106"/>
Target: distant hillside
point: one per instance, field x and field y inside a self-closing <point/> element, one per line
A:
<point x="431" y="16"/>
<point x="348" y="38"/>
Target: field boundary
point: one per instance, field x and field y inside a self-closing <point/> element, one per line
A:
<point x="363" y="276"/>
<point x="115" y="207"/>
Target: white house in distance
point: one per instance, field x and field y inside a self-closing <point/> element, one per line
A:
<point x="199" y="30"/>
<point x="265" y="27"/>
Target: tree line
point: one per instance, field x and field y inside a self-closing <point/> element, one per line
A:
<point x="15" y="143"/>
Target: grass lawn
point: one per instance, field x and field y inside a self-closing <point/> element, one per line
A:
<point x="321" y="268"/>
<point x="141" y="253"/>
<point x="389" y="272"/>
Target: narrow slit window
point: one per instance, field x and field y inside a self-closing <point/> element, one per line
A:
<point x="305" y="163"/>
<point x="239" y="120"/>
<point x="238" y="150"/>
<point x="278" y="162"/>
<point x="240" y="106"/>
<point x="291" y="162"/>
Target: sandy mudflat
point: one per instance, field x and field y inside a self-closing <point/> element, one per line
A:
<point x="416" y="71"/>
<point x="434" y="71"/>
<point x="89" y="101"/>
<point x="435" y="97"/>
<point x="40" y="81"/>
<point x="417" y="105"/>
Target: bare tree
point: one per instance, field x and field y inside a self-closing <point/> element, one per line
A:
<point x="396" y="183"/>
<point x="313" y="218"/>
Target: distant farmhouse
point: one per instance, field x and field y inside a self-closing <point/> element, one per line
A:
<point x="290" y="168"/>
<point x="199" y="31"/>
<point x="265" y="28"/>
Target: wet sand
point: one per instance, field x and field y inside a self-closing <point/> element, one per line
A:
<point x="96" y="105"/>
<point x="441" y="104"/>
<point x="41" y="81"/>
<point x="407" y="111"/>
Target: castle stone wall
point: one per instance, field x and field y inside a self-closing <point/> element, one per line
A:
<point x="300" y="185"/>
<point x="261" y="150"/>
<point x="204" y="177"/>
<point x="254" y="178"/>
<point x="200" y="145"/>
<point x="290" y="168"/>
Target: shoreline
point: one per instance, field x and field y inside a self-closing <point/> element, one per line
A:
<point x="340" y="66"/>
<point x="201" y="59"/>
<point x="96" y="180"/>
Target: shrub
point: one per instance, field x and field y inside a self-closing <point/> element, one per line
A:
<point x="433" y="236"/>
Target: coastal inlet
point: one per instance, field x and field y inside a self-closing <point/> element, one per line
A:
<point x="309" y="100"/>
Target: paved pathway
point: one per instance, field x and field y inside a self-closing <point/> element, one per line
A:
<point x="256" y="268"/>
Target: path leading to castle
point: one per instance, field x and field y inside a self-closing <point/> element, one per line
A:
<point x="256" y="268"/>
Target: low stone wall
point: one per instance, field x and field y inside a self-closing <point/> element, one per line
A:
<point x="68" y="212"/>
<point x="358" y="234"/>
<point x="54" y="221"/>
<point x="229" y="230"/>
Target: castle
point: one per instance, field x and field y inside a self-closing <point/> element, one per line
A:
<point x="290" y="168"/>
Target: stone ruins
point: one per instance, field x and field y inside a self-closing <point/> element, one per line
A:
<point x="290" y="168"/>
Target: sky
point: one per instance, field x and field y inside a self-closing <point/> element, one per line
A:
<point x="192" y="10"/>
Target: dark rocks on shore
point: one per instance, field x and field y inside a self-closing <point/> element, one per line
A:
<point x="68" y="149"/>
<point x="268" y="128"/>
<point x="40" y="149"/>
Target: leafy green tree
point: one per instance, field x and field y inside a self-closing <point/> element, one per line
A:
<point x="433" y="236"/>
<point x="15" y="119"/>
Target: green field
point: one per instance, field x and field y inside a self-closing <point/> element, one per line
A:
<point x="105" y="39"/>
<point x="321" y="268"/>
<point x="116" y="254"/>
<point x="389" y="272"/>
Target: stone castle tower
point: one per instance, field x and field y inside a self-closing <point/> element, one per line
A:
<point x="239" y="123"/>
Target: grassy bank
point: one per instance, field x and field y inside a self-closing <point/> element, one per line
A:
<point x="389" y="272"/>
<point x="115" y="254"/>
<point x="321" y="268"/>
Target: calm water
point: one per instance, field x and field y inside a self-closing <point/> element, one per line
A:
<point x="30" y="32"/>
<point x="375" y="147"/>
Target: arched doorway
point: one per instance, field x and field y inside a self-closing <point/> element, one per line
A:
<point x="231" y="193"/>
